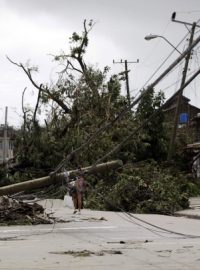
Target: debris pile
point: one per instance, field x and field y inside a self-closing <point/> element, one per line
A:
<point x="87" y="253"/>
<point x="14" y="212"/>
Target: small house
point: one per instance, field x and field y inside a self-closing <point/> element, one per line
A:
<point x="187" y="111"/>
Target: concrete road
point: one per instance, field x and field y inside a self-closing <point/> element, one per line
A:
<point x="101" y="240"/>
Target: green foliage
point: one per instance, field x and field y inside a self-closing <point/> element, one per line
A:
<point x="152" y="140"/>
<point x="144" y="189"/>
<point x="4" y="180"/>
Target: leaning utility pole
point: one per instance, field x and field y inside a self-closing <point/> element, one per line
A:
<point x="125" y="62"/>
<point x="179" y="97"/>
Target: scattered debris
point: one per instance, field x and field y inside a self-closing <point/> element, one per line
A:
<point x="95" y="219"/>
<point x="28" y="197"/>
<point x="11" y="238"/>
<point x="14" y="212"/>
<point x="103" y="218"/>
<point x="117" y="242"/>
<point x="166" y="250"/>
<point x="164" y="253"/>
<point x="82" y="253"/>
<point x="129" y="242"/>
<point x="86" y="253"/>
<point x="112" y="252"/>
<point x="80" y="219"/>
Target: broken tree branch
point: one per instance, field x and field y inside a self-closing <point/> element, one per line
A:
<point x="41" y="87"/>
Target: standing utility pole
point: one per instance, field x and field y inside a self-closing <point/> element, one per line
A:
<point x="125" y="62"/>
<point x="179" y="97"/>
<point x="5" y="135"/>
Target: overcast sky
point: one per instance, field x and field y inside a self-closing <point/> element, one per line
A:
<point x="31" y="30"/>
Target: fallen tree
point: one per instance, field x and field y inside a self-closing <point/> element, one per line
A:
<point x="48" y="180"/>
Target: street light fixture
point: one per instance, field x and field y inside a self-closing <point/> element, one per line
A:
<point x="149" y="37"/>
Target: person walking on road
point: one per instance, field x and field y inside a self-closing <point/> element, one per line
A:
<point x="77" y="191"/>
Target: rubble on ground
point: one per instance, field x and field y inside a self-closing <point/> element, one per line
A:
<point x="87" y="253"/>
<point x="15" y="212"/>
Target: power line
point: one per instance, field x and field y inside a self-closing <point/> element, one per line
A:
<point x="154" y="73"/>
<point x="126" y="108"/>
<point x="175" y="83"/>
<point x="118" y="146"/>
<point x="188" y="12"/>
<point x="142" y="220"/>
<point x="165" y="60"/>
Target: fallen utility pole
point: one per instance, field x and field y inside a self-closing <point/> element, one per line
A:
<point x="47" y="180"/>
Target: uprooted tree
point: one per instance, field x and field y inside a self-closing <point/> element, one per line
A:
<point x="80" y="101"/>
<point x="83" y="100"/>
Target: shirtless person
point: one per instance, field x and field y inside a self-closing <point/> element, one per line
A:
<point x="77" y="191"/>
